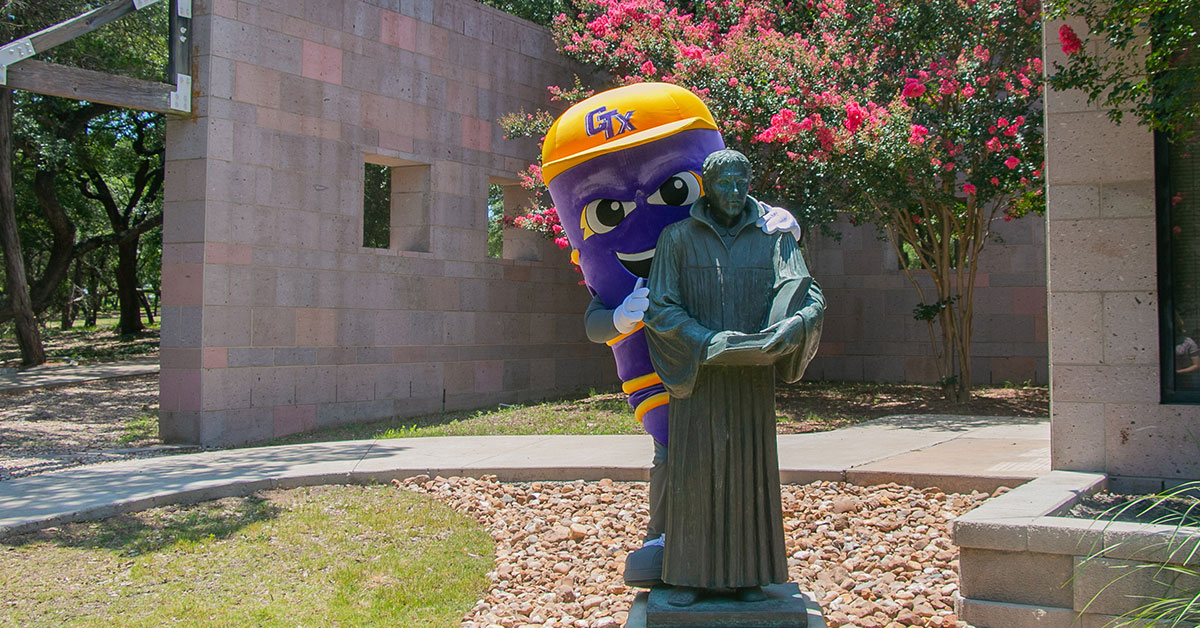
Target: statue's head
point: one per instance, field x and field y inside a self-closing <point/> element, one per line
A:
<point x="726" y="176"/>
<point x="621" y="166"/>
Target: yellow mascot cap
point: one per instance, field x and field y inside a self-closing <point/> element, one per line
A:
<point x="620" y="118"/>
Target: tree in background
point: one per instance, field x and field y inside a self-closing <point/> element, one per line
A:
<point x="1150" y="65"/>
<point x="922" y="119"/>
<point x="87" y="176"/>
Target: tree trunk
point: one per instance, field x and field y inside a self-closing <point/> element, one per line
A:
<point x="127" y="288"/>
<point x="75" y="295"/>
<point x="29" y="337"/>
<point x="67" y="310"/>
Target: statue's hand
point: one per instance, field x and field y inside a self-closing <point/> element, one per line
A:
<point x="787" y="337"/>
<point x="633" y="308"/>
<point x="778" y="219"/>
<point x="720" y="338"/>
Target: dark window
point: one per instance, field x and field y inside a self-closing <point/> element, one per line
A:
<point x="1178" y="198"/>
<point x="396" y="204"/>
<point x="377" y="206"/>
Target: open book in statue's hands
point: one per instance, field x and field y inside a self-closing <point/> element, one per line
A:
<point x="731" y="348"/>
<point x="737" y="349"/>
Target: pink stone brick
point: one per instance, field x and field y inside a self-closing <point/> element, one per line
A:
<point x="189" y="253"/>
<point x="215" y="357"/>
<point x="1029" y="300"/>
<point x="256" y="85"/>
<point x="224" y="253"/>
<point x="396" y="141"/>
<point x="477" y="134"/>
<point x="225" y="8"/>
<point x="179" y="389"/>
<point x="462" y="98"/>
<point x="832" y="348"/>
<point x="182" y="284"/>
<point x="387" y="114"/>
<point x="184" y="180"/>
<point x="433" y="41"/>
<point x="489" y="376"/>
<point x="168" y="391"/>
<point x="293" y="419"/>
<point x="398" y="30"/>
<point x="280" y="120"/>
<point x="179" y="358"/>
<point x="321" y="62"/>
<point x="316" y="327"/>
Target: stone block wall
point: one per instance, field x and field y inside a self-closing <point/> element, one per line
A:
<point x="275" y="318"/>
<point x="870" y="334"/>
<point x="1104" y="359"/>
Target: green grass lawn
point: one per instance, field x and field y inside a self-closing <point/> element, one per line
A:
<point x="320" y="556"/>
<point x="801" y="407"/>
<point x="605" y="413"/>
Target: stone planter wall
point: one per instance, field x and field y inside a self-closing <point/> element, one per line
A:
<point x="1023" y="565"/>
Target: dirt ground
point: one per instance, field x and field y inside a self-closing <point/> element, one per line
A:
<point x="819" y="406"/>
<point x="55" y="428"/>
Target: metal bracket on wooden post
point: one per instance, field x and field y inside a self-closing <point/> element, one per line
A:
<point x="180" y="65"/>
<point x="18" y="50"/>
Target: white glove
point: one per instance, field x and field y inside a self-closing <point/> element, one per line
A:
<point x="633" y="308"/>
<point x="778" y="219"/>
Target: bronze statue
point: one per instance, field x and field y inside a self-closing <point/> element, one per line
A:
<point x="730" y="308"/>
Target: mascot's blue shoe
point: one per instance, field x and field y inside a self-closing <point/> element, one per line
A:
<point x="643" y="568"/>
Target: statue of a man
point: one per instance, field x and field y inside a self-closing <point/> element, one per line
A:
<point x="730" y="308"/>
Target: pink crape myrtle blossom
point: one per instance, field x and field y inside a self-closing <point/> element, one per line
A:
<point x="912" y="89"/>
<point x="916" y="135"/>
<point x="1070" y="41"/>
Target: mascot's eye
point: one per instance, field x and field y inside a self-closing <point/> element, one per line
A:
<point x="603" y="215"/>
<point x="681" y="189"/>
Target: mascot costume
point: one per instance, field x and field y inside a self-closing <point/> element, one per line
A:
<point x="621" y="166"/>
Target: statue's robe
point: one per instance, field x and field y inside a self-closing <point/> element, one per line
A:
<point x="724" y="521"/>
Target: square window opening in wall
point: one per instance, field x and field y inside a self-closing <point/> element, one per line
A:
<point x="396" y="204"/>
<point x="508" y="199"/>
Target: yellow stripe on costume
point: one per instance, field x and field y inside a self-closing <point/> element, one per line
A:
<point x="639" y="383"/>
<point x="624" y="336"/>
<point x="653" y="402"/>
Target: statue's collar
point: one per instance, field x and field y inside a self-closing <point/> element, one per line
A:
<point x="754" y="210"/>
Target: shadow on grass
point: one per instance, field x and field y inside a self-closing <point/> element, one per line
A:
<point x="154" y="530"/>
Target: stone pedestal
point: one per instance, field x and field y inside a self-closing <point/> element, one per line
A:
<point x="785" y="607"/>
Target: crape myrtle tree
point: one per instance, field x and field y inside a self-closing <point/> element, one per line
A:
<point x="920" y="118"/>
<point x="1150" y="65"/>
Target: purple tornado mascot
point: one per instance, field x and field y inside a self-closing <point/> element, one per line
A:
<point x="621" y="166"/>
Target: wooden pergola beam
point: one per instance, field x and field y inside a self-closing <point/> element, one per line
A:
<point x="53" y="79"/>
<point x="18" y="71"/>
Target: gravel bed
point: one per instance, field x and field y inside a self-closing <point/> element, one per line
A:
<point x="875" y="557"/>
<point x="49" y="429"/>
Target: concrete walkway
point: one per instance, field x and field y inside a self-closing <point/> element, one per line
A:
<point x="66" y="374"/>
<point x="956" y="454"/>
